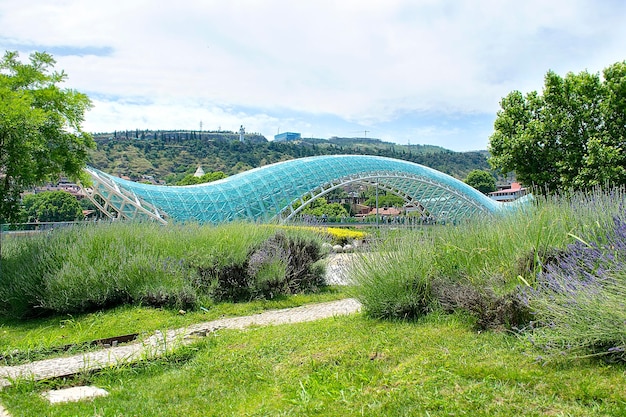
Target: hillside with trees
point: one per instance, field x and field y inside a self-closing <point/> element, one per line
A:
<point x="171" y="155"/>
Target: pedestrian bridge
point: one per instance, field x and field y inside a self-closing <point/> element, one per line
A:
<point x="278" y="192"/>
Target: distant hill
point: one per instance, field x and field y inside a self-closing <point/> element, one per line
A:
<point x="169" y="155"/>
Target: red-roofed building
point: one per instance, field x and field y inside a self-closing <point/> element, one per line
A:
<point x="514" y="192"/>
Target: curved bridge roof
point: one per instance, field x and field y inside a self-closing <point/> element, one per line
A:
<point x="272" y="192"/>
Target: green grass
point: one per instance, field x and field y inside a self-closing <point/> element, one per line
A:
<point x="436" y="366"/>
<point x="35" y="339"/>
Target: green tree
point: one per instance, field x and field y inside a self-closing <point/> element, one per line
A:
<point x="320" y="206"/>
<point x="52" y="206"/>
<point x="87" y="204"/>
<point x="483" y="181"/>
<point x="385" y="200"/>
<point x="571" y="136"/>
<point x="190" y="179"/>
<point x="40" y="128"/>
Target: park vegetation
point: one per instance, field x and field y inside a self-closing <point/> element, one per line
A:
<point x="557" y="262"/>
<point x="513" y="315"/>
<point x="517" y="314"/>
<point x="96" y="266"/>
<point x="51" y="206"/>
<point x="40" y="128"/>
<point x="571" y="136"/>
<point x="553" y="272"/>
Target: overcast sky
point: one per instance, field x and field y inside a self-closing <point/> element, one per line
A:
<point x="407" y="71"/>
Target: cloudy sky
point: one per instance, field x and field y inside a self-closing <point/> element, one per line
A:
<point x="407" y="71"/>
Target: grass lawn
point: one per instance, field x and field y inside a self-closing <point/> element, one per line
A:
<point x="29" y="340"/>
<point x="436" y="366"/>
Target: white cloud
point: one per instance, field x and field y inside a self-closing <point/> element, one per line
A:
<point x="365" y="62"/>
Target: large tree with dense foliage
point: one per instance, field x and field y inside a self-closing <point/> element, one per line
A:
<point x="52" y="206"/>
<point x="40" y="128"/>
<point x="482" y="180"/>
<point x="572" y="136"/>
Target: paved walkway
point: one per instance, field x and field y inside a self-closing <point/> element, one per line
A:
<point x="160" y="343"/>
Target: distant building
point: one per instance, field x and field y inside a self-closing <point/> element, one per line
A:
<point x="513" y="192"/>
<point x="413" y="208"/>
<point x="287" y="137"/>
<point x="199" y="172"/>
<point x="63" y="184"/>
<point x="385" y="211"/>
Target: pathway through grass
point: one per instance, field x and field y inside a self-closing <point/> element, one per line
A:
<point x="161" y="344"/>
<point x="347" y="366"/>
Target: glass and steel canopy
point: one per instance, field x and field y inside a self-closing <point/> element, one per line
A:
<point x="279" y="191"/>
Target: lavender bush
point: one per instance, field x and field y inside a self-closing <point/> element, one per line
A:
<point x="579" y="302"/>
<point x="281" y="265"/>
<point x="96" y="266"/>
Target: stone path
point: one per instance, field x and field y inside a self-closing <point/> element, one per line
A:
<point x="160" y="343"/>
<point x="64" y="395"/>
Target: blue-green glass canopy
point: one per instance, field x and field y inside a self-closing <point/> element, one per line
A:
<point x="281" y="190"/>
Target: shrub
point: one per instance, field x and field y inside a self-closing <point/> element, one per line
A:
<point x="338" y="235"/>
<point x="529" y="265"/>
<point x="267" y="268"/>
<point x="341" y="236"/>
<point x="303" y="273"/>
<point x="226" y="283"/>
<point x="394" y="280"/>
<point x="87" y="267"/>
<point x="492" y="311"/>
<point x="279" y="266"/>
<point x="579" y="302"/>
<point x="24" y="267"/>
<point x="475" y="255"/>
<point x="94" y="266"/>
<point x="182" y="298"/>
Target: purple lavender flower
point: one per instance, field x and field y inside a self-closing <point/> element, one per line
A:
<point x="584" y="276"/>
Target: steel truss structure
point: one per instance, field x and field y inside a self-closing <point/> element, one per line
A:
<point x="278" y="192"/>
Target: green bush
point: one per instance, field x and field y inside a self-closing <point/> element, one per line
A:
<point x="393" y="281"/>
<point x="51" y="206"/>
<point x="487" y="258"/>
<point x="578" y="302"/>
<point x="93" y="266"/>
<point x="491" y="311"/>
<point x="280" y="265"/>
